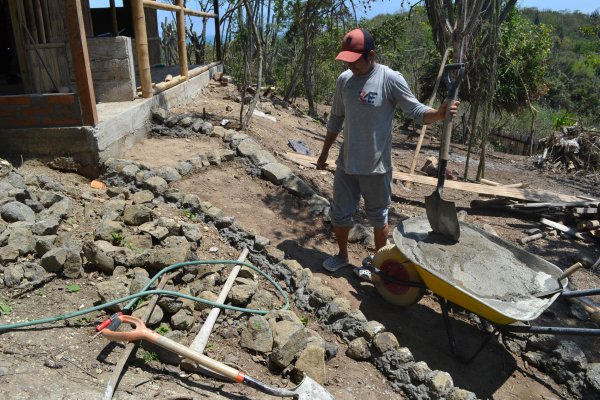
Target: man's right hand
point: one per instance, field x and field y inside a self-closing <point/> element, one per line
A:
<point x="322" y="161"/>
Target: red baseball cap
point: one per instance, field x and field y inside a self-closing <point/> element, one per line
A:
<point x="356" y="43"/>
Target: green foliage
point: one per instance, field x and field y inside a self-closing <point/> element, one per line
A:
<point x="149" y="356"/>
<point x="163" y="329"/>
<point x="563" y="118"/>
<point x="4" y="307"/>
<point x="190" y="215"/>
<point x="522" y="63"/>
<point x="117" y="238"/>
<point x="73" y="288"/>
<point x="304" y="320"/>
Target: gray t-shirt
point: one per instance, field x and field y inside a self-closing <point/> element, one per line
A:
<point x="364" y="105"/>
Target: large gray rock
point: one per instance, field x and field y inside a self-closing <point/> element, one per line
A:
<point x="143" y="196"/>
<point x="54" y="260"/>
<point x="592" y="376"/>
<point x="47" y="226"/>
<point x="311" y="362"/>
<point x="33" y="272"/>
<point x="156" y="184"/>
<point x="248" y="146"/>
<point x="23" y="240"/>
<point x="59" y="210"/>
<point x="358" y="349"/>
<point x="163" y="257"/>
<point x="156" y="316"/>
<point x="439" y="383"/>
<point x="192" y="232"/>
<point x="152" y="229"/>
<point x="136" y="215"/>
<point x="169" y="174"/>
<point x="298" y="187"/>
<point x="460" y="394"/>
<point x="100" y="253"/>
<point x="182" y="320"/>
<point x="263" y="300"/>
<point x="8" y="253"/>
<point x="13" y="275"/>
<point x="372" y="329"/>
<point x="48" y="198"/>
<point x="275" y="172"/>
<point x="73" y="267"/>
<point x="15" y="211"/>
<point x="358" y="233"/>
<point x="571" y="356"/>
<point x="43" y="244"/>
<point x="386" y="341"/>
<point x="262" y="157"/>
<point x="111" y="290"/>
<point x="113" y="209"/>
<point x="108" y="230"/>
<point x="240" y="295"/>
<point x="289" y="338"/>
<point x="257" y="335"/>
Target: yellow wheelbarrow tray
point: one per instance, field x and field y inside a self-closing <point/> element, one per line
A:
<point x="485" y="301"/>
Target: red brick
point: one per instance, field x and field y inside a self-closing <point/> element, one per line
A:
<point x="15" y="100"/>
<point x="60" y="99"/>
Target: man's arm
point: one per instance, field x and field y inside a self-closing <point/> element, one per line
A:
<point x="433" y="115"/>
<point x="329" y="139"/>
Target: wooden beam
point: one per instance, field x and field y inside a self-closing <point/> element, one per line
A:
<point x="18" y="19"/>
<point x="114" y="27"/>
<point x="141" y="46"/>
<point x="183" y="62"/>
<point x="170" y="7"/>
<point x="500" y="191"/>
<point x="81" y="61"/>
<point x="217" y="31"/>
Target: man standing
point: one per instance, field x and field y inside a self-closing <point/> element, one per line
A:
<point x="366" y="96"/>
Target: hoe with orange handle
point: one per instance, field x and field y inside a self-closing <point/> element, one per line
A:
<point x="308" y="389"/>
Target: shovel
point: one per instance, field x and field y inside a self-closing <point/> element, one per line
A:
<point x="442" y="213"/>
<point x="308" y="389"/>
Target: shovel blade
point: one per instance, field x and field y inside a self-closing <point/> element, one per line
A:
<point x="309" y="389"/>
<point x="442" y="217"/>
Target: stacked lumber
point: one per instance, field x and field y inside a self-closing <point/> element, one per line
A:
<point x="572" y="149"/>
<point x="576" y="220"/>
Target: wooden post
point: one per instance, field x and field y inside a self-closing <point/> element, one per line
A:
<point x="217" y="31"/>
<point x="141" y="46"/>
<point x="113" y="16"/>
<point x="31" y="19"/>
<point x="46" y="19"/>
<point x="81" y="61"/>
<point x="18" y="19"/>
<point x="183" y="64"/>
<point x="39" y="21"/>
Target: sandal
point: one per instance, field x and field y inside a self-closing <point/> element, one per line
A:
<point x="333" y="263"/>
<point x="363" y="273"/>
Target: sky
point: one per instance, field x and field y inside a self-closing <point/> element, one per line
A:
<point x="392" y="6"/>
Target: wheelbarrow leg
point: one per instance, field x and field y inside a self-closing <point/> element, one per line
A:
<point x="451" y="338"/>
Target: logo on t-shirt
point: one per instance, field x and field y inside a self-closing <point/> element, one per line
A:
<point x="368" y="98"/>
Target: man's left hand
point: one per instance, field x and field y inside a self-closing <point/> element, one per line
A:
<point x="444" y="106"/>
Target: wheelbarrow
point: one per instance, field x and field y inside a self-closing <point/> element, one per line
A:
<point x="499" y="282"/>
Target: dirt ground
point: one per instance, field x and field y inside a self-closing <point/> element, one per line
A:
<point x="60" y="362"/>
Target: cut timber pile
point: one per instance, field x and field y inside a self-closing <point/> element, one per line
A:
<point x="571" y="216"/>
<point x="573" y="149"/>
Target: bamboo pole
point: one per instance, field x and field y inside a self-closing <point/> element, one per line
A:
<point x="170" y="7"/>
<point x="162" y="86"/>
<point x="141" y="46"/>
<point x="183" y="62"/>
<point x="39" y="21"/>
<point x="113" y="17"/>
<point x="217" y="31"/>
<point x="28" y="5"/>
<point x="431" y="100"/>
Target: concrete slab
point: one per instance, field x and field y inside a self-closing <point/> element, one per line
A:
<point x="120" y="126"/>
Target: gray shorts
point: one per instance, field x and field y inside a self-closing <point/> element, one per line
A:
<point x="376" y="190"/>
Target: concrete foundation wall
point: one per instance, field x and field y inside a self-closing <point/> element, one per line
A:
<point x="111" y="61"/>
<point x="83" y="148"/>
<point x="39" y="110"/>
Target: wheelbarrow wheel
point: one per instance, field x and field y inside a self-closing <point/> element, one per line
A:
<point x="394" y="264"/>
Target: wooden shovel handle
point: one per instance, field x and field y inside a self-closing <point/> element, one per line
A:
<point x="141" y="332"/>
<point x="569" y="271"/>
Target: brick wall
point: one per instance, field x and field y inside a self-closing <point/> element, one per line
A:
<point x="40" y="110"/>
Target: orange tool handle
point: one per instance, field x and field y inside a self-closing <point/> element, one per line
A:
<point x="140" y="332"/>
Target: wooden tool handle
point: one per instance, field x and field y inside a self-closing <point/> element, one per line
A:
<point x="569" y="271"/>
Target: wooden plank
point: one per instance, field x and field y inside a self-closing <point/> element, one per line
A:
<point x="81" y="62"/>
<point x="181" y="41"/>
<point x="500" y="191"/>
<point x="17" y="19"/>
<point x="563" y="228"/>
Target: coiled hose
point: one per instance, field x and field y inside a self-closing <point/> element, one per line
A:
<point x="133" y="298"/>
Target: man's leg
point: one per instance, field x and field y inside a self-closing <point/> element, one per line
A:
<point x="381" y="235"/>
<point x="341" y="236"/>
